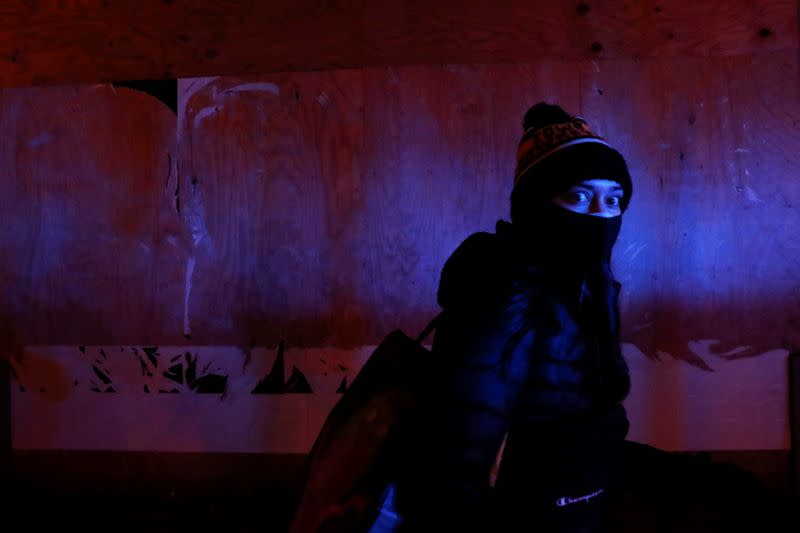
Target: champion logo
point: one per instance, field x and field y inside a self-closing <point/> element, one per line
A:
<point x="563" y="502"/>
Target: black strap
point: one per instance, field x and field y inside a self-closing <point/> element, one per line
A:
<point x="429" y="328"/>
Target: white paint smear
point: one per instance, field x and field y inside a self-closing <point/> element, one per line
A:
<point x="195" y="85"/>
<point x="702" y="348"/>
<point x="256" y="86"/>
<point x="187" y="330"/>
<point x="186" y="89"/>
<point x="41" y="140"/>
<point x="753" y="195"/>
<point x="205" y="113"/>
<point x="633" y="251"/>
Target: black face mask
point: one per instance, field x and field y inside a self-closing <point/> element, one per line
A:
<point x="568" y="240"/>
<point x="578" y="238"/>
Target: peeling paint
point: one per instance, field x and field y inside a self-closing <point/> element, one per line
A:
<point x="275" y="381"/>
<point x="204" y="397"/>
<point x="703" y="348"/>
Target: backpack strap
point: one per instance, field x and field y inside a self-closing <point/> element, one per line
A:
<point x="429" y="328"/>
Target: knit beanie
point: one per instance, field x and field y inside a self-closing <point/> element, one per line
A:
<point x="558" y="150"/>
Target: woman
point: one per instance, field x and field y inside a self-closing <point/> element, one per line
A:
<point x="527" y="353"/>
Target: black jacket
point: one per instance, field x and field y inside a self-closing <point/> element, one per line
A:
<point x="521" y="349"/>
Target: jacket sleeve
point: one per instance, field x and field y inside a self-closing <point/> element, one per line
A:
<point x="482" y="360"/>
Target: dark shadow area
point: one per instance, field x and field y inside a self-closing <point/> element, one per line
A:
<point x="151" y="491"/>
<point x="166" y="91"/>
<point x="109" y="491"/>
<point x="150" y="508"/>
<point x="694" y="492"/>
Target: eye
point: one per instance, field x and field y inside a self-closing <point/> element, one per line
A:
<point x="614" y="201"/>
<point x="579" y="197"/>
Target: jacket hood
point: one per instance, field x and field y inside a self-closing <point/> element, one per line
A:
<point x="479" y="268"/>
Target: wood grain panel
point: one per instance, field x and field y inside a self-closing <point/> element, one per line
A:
<point x="331" y="201"/>
<point x="321" y="206"/>
<point x="84" y="176"/>
<point x="707" y="251"/>
<point x="318" y="208"/>
<point x="441" y="160"/>
<point x="273" y="169"/>
<point x="98" y="40"/>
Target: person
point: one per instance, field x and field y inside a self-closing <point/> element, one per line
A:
<point x="526" y="354"/>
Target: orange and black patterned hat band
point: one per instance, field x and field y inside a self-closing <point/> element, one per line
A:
<point x="537" y="144"/>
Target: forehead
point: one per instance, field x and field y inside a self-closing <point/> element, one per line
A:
<point x="603" y="184"/>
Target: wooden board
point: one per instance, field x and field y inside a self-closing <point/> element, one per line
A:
<point x="329" y="202"/>
<point x="271" y="167"/>
<point x="707" y="253"/>
<point x="87" y="215"/>
<point x="276" y="401"/>
<point x="98" y="40"/>
<point x="318" y="208"/>
<point x="392" y="168"/>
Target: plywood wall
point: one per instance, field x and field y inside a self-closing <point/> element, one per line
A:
<point x="86" y="222"/>
<point x="47" y="43"/>
<point x="316" y="209"/>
